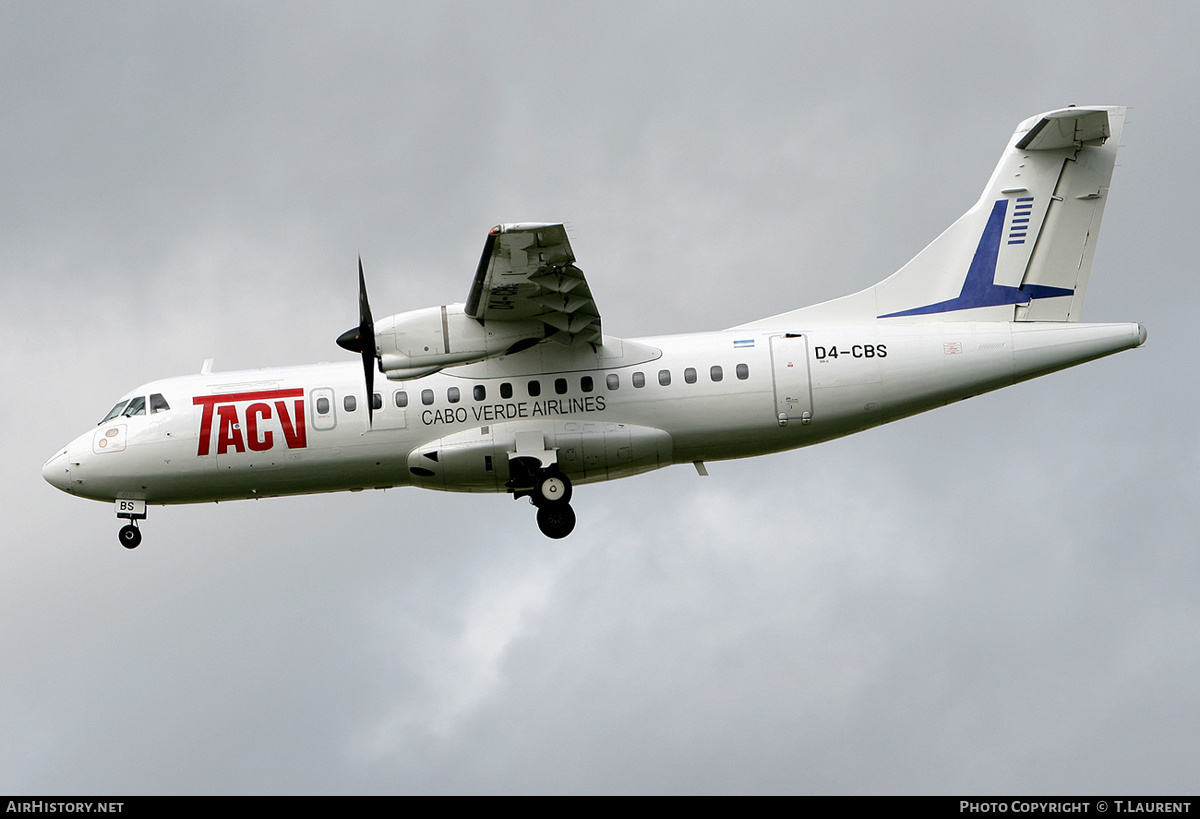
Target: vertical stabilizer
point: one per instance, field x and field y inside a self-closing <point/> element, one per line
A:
<point x="1062" y="256"/>
<point x="1023" y="252"/>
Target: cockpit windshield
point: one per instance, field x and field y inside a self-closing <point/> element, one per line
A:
<point x="114" y="412"/>
<point x="137" y="406"/>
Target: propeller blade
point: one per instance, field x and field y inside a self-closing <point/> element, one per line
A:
<point x="369" y="373"/>
<point x="361" y="340"/>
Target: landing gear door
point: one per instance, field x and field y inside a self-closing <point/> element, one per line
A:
<point x="789" y="367"/>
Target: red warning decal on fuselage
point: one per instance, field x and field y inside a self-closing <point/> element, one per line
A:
<point x="265" y="416"/>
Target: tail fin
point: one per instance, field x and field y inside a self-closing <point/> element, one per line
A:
<point x="1023" y="252"/>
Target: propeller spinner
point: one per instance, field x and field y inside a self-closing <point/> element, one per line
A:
<point x="361" y="339"/>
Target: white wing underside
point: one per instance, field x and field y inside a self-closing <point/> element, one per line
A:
<point x="528" y="273"/>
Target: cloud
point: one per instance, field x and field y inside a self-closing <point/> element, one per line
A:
<point x="994" y="597"/>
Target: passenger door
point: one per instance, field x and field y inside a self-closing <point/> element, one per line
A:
<point x="789" y="368"/>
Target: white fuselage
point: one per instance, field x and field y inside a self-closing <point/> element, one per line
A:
<point x="518" y="389"/>
<point x="619" y="409"/>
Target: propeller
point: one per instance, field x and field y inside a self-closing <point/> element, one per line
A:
<point x="361" y="339"/>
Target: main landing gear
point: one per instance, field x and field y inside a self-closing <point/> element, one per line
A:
<point x="549" y="490"/>
<point x="556" y="520"/>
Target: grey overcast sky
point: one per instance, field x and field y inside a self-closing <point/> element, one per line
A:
<point x="995" y="597"/>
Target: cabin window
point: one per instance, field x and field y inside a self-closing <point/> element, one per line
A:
<point x="479" y="393"/>
<point x="158" y="404"/>
<point x="560" y="386"/>
<point x="613" y="381"/>
<point x="506" y="390"/>
<point x="350" y="403"/>
<point x="137" y="406"/>
<point x="453" y="395"/>
<point x="743" y="372"/>
<point x="664" y="378"/>
<point x="426" y="397"/>
<point x="322" y="406"/>
<point x="586" y="383"/>
<point x="689" y="375"/>
<point x="716" y="373"/>
<point x="401" y="399"/>
<point x="535" y="389"/>
<point x="639" y="380"/>
<point x="376" y="401"/>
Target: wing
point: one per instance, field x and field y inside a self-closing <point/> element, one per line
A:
<point x="528" y="273"/>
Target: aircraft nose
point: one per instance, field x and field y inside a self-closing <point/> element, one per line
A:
<point x="57" y="471"/>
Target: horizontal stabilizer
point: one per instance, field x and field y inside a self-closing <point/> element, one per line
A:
<point x="1066" y="129"/>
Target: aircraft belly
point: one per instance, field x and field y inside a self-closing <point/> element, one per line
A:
<point x="145" y="461"/>
<point x="728" y="426"/>
<point x="334" y="470"/>
<point x="172" y="471"/>
<point x="931" y="365"/>
<point x="477" y="459"/>
<point x="912" y="368"/>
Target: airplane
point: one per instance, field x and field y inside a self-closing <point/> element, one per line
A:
<point x="519" y="390"/>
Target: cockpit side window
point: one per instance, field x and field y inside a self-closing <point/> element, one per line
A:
<point x="114" y="412"/>
<point x="158" y="403"/>
<point x="137" y="406"/>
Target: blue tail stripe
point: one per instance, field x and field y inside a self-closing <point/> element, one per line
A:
<point x="980" y="288"/>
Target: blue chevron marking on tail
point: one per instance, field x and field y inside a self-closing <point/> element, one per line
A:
<point x="979" y="288"/>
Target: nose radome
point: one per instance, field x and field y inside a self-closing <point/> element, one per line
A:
<point x="57" y="471"/>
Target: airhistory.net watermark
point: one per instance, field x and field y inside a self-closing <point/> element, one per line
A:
<point x="46" y="806"/>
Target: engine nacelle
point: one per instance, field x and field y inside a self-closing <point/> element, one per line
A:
<point x="424" y="341"/>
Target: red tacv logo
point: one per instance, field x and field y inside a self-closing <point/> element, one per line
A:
<point x="263" y="418"/>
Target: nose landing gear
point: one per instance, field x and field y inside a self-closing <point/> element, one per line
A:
<point x="133" y="511"/>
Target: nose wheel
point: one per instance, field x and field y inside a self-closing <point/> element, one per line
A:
<point x="130" y="536"/>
